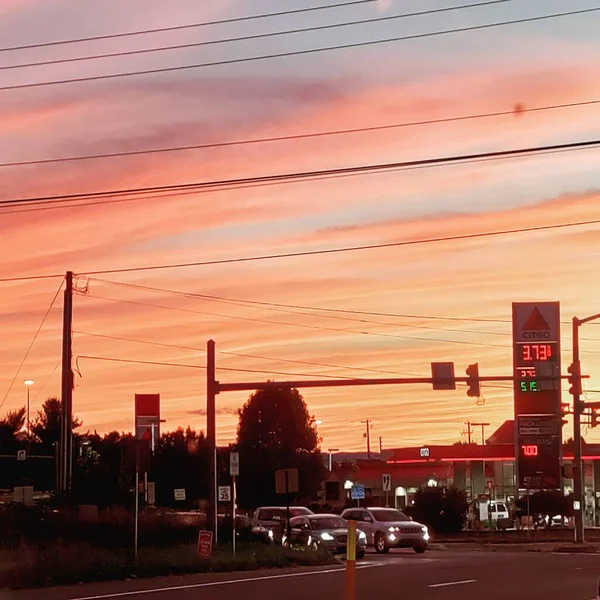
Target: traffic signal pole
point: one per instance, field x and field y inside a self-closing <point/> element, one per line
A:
<point x="578" y="473"/>
<point x="578" y="466"/>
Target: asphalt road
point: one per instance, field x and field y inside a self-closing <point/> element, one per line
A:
<point x="443" y="575"/>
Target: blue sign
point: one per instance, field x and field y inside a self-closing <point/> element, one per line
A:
<point x="357" y="492"/>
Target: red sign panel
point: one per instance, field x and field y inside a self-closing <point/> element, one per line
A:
<point x="147" y="418"/>
<point x="205" y="544"/>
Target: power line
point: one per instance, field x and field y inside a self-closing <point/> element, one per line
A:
<point x="250" y="37"/>
<point x="322" y="252"/>
<point x="300" y="175"/>
<point x="243" y="355"/>
<point x="301" y="136"/>
<point x="187" y="26"/>
<point x="288" y="324"/>
<point x="30" y="277"/>
<point x="41" y="388"/>
<point x="261" y="57"/>
<point x="202" y="367"/>
<point x="285" y="308"/>
<point x="35" y="337"/>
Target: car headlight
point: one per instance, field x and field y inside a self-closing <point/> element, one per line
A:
<point x="392" y="529"/>
<point x="424" y="529"/>
<point x="270" y="534"/>
<point x="327" y="536"/>
<point x="392" y="537"/>
<point x="362" y="535"/>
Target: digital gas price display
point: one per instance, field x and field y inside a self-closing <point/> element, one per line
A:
<point x="535" y="361"/>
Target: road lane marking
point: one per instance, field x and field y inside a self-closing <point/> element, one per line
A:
<point x="192" y="586"/>
<point x="449" y="583"/>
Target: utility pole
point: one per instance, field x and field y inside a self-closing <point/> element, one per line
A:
<point x="66" y="422"/>
<point x="211" y="438"/>
<point x="483" y="426"/>
<point x="380" y="446"/>
<point x="468" y="431"/>
<point x="368" y="436"/>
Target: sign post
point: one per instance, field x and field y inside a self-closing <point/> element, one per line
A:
<point x="386" y="484"/>
<point x="286" y="482"/>
<point x="537" y="395"/>
<point x="234" y="471"/>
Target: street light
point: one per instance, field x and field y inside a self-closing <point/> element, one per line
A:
<point x="28" y="383"/>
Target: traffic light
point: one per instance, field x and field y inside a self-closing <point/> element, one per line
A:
<point x="473" y="387"/>
<point x="574" y="379"/>
<point x="565" y="409"/>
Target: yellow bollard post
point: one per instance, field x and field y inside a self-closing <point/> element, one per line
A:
<point x="351" y="562"/>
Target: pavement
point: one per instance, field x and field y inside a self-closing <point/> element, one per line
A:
<point x="450" y="575"/>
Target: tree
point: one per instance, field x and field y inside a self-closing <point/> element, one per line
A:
<point x="46" y="427"/>
<point x="442" y="509"/>
<point x="10" y="425"/>
<point x="275" y="431"/>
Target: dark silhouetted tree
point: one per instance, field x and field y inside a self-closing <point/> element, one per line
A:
<point x="46" y="427"/>
<point x="276" y="431"/>
<point x="10" y="426"/>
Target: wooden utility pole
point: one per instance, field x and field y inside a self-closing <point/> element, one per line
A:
<point x="66" y="421"/>
<point x="483" y="426"/>
<point x="468" y="432"/>
<point x="211" y="438"/>
<point x="368" y="436"/>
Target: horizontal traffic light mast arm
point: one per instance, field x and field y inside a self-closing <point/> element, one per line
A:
<point x="587" y="319"/>
<point x="314" y="383"/>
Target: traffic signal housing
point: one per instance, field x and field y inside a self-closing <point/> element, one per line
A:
<point x="473" y="387"/>
<point x="574" y="379"/>
<point x="565" y="409"/>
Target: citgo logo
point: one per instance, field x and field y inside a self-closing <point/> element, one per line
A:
<point x="536" y="327"/>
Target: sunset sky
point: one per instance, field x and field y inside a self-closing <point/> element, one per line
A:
<point x="453" y="298"/>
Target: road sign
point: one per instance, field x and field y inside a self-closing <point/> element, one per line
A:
<point x="424" y="452"/>
<point x="21" y="455"/>
<point x="205" y="544"/>
<point x="286" y="481"/>
<point x="179" y="495"/>
<point x="234" y="464"/>
<point x="224" y="493"/>
<point x="442" y="374"/>
<point x="147" y="418"/>
<point x="386" y="482"/>
<point x="357" y="492"/>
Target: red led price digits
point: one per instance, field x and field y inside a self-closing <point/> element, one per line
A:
<point x="536" y="352"/>
<point x="530" y="450"/>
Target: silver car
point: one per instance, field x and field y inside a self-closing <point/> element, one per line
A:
<point x="329" y="532"/>
<point x="389" y="528"/>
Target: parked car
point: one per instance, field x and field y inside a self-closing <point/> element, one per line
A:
<point x="274" y="519"/>
<point x="329" y="532"/>
<point x="499" y="515"/>
<point x="387" y="528"/>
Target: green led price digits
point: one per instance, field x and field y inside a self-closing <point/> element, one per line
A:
<point x="530" y="386"/>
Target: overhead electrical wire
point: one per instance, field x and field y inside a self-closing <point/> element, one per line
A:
<point x="295" y="309"/>
<point x="32" y="343"/>
<point x="252" y="37"/>
<point x="239" y="354"/>
<point x="306" y="51"/>
<point x="201" y="367"/>
<point x="300" y="136"/>
<point x="300" y="175"/>
<point x="298" y="325"/>
<point x="325" y="251"/>
<point x="112" y="36"/>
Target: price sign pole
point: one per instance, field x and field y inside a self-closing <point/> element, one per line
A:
<point x="234" y="498"/>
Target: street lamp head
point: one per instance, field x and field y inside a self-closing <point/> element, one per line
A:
<point x="318" y="422"/>
<point x="29" y="382"/>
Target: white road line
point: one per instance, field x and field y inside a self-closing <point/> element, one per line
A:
<point x="449" y="583"/>
<point x="192" y="586"/>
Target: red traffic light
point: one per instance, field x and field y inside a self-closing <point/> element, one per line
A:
<point x="574" y="379"/>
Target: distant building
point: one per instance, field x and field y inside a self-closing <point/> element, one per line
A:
<point x="483" y="471"/>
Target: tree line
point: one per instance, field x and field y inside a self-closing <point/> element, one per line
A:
<point x="275" y="430"/>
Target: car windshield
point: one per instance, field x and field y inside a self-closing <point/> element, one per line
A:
<point x="270" y="514"/>
<point x="501" y="508"/>
<point x="327" y="523"/>
<point x="389" y="515"/>
<point x="299" y="511"/>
